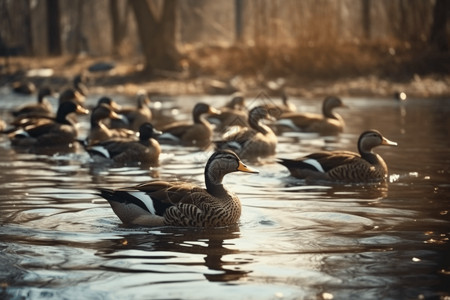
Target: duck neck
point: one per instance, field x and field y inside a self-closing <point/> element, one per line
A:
<point x="198" y="119"/>
<point x="214" y="184"/>
<point x="368" y="154"/>
<point x="98" y="124"/>
<point x="41" y="98"/>
<point x="258" y="126"/>
<point x="62" y="118"/>
<point x="371" y="157"/>
<point x="328" y="113"/>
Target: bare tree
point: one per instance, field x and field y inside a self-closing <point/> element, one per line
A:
<point x="366" y="20"/>
<point x="53" y="27"/>
<point x="438" y="34"/>
<point x="118" y="21"/>
<point x="157" y="36"/>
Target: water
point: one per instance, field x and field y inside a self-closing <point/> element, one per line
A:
<point x="294" y="241"/>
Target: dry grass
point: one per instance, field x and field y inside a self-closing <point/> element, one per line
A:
<point x="312" y="70"/>
<point x="325" y="61"/>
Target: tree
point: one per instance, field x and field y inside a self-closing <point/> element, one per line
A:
<point x="366" y="20"/>
<point x="118" y="24"/>
<point x="438" y="34"/>
<point x="53" y="27"/>
<point x="157" y="36"/>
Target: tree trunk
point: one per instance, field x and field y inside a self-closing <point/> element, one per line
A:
<point x="53" y="28"/>
<point x="118" y="25"/>
<point x="157" y="37"/>
<point x="438" y="34"/>
<point x="366" y="19"/>
<point x="238" y="20"/>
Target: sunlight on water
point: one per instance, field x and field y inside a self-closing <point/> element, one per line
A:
<point x="60" y="239"/>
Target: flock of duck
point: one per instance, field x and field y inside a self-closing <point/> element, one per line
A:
<point x="134" y="135"/>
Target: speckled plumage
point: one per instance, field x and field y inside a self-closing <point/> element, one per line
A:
<point x="327" y="123"/>
<point x="198" y="134"/>
<point x="344" y="166"/>
<point x="252" y="142"/>
<point x="159" y="203"/>
<point x="146" y="150"/>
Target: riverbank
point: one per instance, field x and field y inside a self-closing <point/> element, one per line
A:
<point x="126" y="76"/>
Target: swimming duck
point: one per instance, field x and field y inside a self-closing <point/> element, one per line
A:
<point x="42" y="108"/>
<point x="99" y="131"/>
<point x="344" y="166"/>
<point x="255" y="141"/>
<point x="23" y="87"/>
<point x="113" y="104"/>
<point x="233" y="113"/>
<point x="79" y="84"/>
<point x="325" y="124"/>
<point x="198" y="134"/>
<point x="60" y="131"/>
<point x="146" y="150"/>
<point x="71" y="94"/>
<point x="134" y="117"/>
<point x="276" y="110"/>
<point x="159" y="203"/>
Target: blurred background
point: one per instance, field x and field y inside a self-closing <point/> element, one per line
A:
<point x="396" y="39"/>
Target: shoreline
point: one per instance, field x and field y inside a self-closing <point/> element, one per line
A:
<point x="126" y="78"/>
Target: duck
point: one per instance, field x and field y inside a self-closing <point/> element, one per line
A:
<point x="79" y="84"/>
<point x="145" y="151"/>
<point x="134" y="117"/>
<point x="344" y="166"/>
<point x="24" y="87"/>
<point x="164" y="203"/>
<point x="329" y="123"/>
<point x="233" y="113"/>
<point x="41" y="108"/>
<point x="277" y="110"/>
<point x="71" y="94"/>
<point x="108" y="101"/>
<point x="60" y="131"/>
<point x="198" y="134"/>
<point x="255" y="141"/>
<point x="99" y="131"/>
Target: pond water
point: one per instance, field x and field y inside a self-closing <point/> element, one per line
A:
<point x="59" y="239"/>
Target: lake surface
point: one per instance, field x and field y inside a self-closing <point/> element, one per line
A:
<point x="59" y="239"/>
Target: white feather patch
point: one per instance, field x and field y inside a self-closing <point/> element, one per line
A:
<point x="144" y="198"/>
<point x="314" y="163"/>
<point x="124" y="119"/>
<point x="100" y="150"/>
<point x="234" y="145"/>
<point x="22" y="133"/>
<point x="287" y="123"/>
<point x="169" y="137"/>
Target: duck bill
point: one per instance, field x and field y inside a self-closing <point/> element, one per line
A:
<point x="79" y="97"/>
<point x="116" y="116"/>
<point x="115" y="106"/>
<point x="388" y="142"/>
<point x="156" y="133"/>
<point x="81" y="110"/>
<point x="213" y="111"/>
<point x="244" y="168"/>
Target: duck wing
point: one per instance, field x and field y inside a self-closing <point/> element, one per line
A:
<point x="300" y="120"/>
<point x="171" y="193"/>
<point x="176" y="129"/>
<point x="331" y="159"/>
<point x="321" y="161"/>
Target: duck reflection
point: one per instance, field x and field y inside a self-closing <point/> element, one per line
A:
<point x="174" y="242"/>
<point x="374" y="191"/>
<point x="362" y="191"/>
